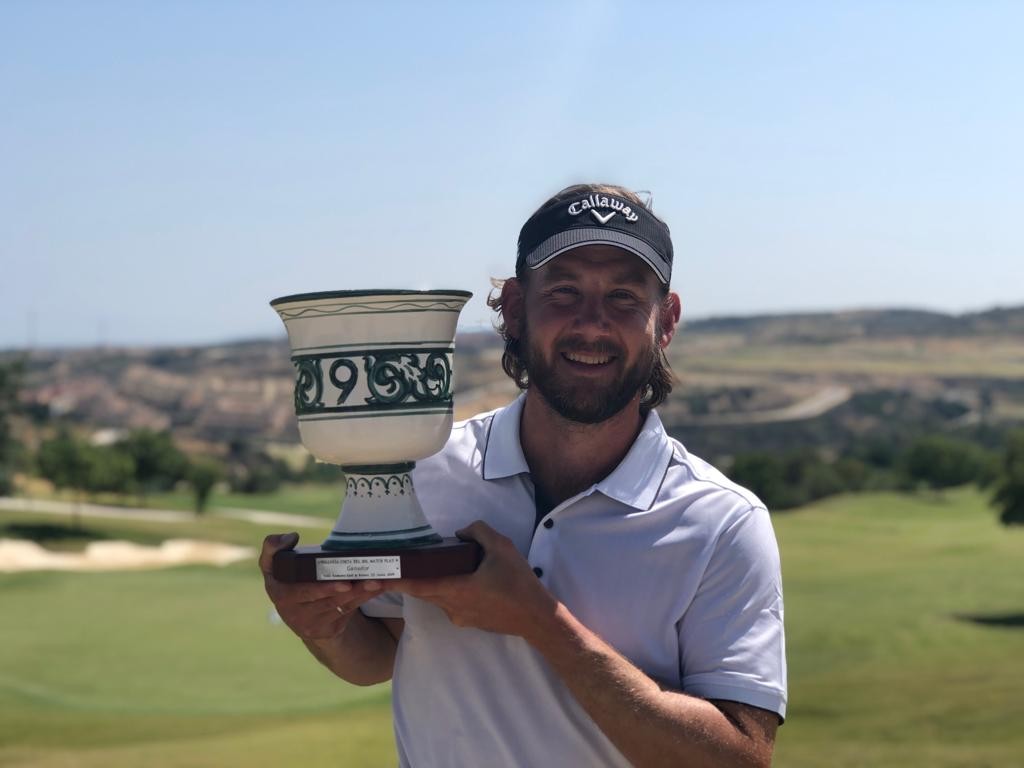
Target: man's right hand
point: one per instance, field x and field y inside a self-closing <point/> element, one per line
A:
<point x="315" y="610"/>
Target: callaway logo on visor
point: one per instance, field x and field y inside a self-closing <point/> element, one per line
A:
<point x="594" y="202"/>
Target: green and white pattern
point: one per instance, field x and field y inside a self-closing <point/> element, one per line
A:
<point x="356" y="384"/>
<point x="387" y="491"/>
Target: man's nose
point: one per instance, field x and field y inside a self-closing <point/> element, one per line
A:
<point x="592" y="318"/>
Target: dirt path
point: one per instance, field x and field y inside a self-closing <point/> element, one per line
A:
<point x="256" y="516"/>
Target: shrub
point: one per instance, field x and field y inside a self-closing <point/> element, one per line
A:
<point x="943" y="462"/>
<point x="1009" y="493"/>
<point x="159" y="465"/>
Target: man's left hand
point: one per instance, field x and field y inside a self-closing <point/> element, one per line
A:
<point x="503" y="595"/>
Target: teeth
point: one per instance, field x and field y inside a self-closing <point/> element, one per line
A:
<point x="579" y="357"/>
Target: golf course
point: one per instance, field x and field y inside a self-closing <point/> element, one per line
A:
<point x="904" y="614"/>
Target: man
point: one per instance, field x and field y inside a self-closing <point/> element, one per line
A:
<point x="628" y="609"/>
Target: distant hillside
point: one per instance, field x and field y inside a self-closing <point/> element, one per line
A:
<point x="823" y="327"/>
<point x="769" y="378"/>
<point x="235" y="391"/>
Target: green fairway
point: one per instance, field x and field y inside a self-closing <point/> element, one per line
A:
<point x="314" y="499"/>
<point x="168" y="667"/>
<point x="905" y="620"/>
<point x="885" y="666"/>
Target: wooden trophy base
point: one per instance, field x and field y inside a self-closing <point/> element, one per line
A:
<point x="450" y="557"/>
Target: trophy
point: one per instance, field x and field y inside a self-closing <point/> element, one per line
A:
<point x="373" y="393"/>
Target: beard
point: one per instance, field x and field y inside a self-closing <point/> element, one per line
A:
<point x="580" y="400"/>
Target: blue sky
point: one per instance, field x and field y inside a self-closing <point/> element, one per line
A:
<point x="168" y="168"/>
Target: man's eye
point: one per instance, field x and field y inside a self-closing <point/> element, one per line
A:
<point x="623" y="296"/>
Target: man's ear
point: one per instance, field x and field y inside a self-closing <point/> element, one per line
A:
<point x="671" y="310"/>
<point x="512" y="300"/>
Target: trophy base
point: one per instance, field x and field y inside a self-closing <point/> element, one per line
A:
<point x="449" y="557"/>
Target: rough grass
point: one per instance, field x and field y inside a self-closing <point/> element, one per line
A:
<point x="905" y="618"/>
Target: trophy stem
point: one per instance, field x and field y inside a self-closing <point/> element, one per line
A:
<point x="380" y="510"/>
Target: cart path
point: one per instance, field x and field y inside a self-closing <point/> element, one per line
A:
<point x="256" y="516"/>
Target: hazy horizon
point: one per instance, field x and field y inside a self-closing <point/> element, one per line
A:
<point x="489" y="328"/>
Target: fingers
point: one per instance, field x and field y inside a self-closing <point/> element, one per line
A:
<point x="316" y="622"/>
<point x="351" y="605"/>
<point x="275" y="543"/>
<point x="299" y="593"/>
<point x="322" y="618"/>
<point x="422" y="587"/>
<point x="307" y="592"/>
<point x="478" y="531"/>
<point x="484" y="535"/>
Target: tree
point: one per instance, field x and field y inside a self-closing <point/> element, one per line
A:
<point x="70" y="462"/>
<point x="10" y="383"/>
<point x="108" y="469"/>
<point x="853" y="473"/>
<point x="251" y="470"/>
<point x="203" y="474"/>
<point x="320" y="472"/>
<point x="158" y="462"/>
<point x="1009" y="494"/>
<point x="63" y="460"/>
<point x="944" y="462"/>
<point x="762" y="474"/>
<point x="788" y="480"/>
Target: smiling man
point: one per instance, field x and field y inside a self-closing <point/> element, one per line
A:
<point x="628" y="609"/>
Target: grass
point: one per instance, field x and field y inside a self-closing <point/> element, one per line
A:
<point x="168" y="667"/>
<point x="905" y="622"/>
<point x="885" y="666"/>
<point x="313" y="499"/>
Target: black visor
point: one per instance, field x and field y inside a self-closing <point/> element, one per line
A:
<point x="595" y="219"/>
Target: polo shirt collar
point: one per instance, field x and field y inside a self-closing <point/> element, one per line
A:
<point x="503" y="453"/>
<point x="635" y="481"/>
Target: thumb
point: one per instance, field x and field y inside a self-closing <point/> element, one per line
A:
<point x="481" y="533"/>
<point x="273" y="544"/>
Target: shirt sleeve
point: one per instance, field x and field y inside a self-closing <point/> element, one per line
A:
<point x="386" y="606"/>
<point x="731" y="638"/>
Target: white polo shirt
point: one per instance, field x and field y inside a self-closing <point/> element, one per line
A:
<point x="666" y="559"/>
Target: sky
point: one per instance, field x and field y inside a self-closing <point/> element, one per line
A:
<point x="168" y="168"/>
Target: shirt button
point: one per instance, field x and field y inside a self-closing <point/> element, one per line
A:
<point x="539" y="572"/>
<point x="549" y="523"/>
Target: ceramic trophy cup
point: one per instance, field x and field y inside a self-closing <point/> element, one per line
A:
<point x="373" y="393"/>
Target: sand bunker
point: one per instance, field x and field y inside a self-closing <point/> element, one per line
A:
<point x="19" y="555"/>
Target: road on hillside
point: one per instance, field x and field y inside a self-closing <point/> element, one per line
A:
<point x="820" y="402"/>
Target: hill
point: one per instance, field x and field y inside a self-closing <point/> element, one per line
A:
<point x="822" y="327"/>
<point x="768" y="381"/>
